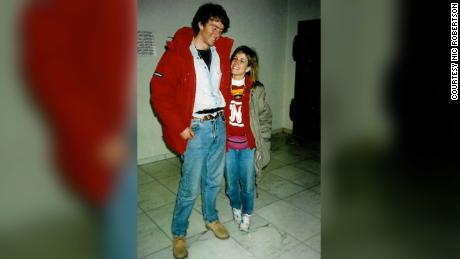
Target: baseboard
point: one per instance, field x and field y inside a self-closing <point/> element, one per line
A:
<point x="151" y="159"/>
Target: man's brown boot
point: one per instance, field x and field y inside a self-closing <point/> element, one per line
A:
<point x="219" y="230"/>
<point x="179" y="248"/>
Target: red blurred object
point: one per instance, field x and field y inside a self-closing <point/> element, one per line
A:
<point x="78" y="59"/>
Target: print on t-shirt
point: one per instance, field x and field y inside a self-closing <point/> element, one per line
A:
<point x="236" y="115"/>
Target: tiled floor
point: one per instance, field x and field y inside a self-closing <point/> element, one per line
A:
<point x="286" y="220"/>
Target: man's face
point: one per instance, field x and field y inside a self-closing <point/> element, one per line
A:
<point x="211" y="31"/>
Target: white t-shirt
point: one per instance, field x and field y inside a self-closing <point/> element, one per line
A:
<point x="208" y="95"/>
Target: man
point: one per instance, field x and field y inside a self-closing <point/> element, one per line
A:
<point x="186" y="94"/>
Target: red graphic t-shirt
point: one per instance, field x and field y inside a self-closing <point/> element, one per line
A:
<point x="239" y="133"/>
<point x="238" y="105"/>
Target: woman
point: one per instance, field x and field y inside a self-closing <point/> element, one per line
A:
<point x="248" y="130"/>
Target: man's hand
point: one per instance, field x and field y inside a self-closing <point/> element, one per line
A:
<point x="187" y="133"/>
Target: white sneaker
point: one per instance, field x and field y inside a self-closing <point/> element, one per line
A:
<point x="244" y="226"/>
<point x="236" y="215"/>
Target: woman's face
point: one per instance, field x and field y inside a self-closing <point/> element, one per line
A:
<point x="239" y="65"/>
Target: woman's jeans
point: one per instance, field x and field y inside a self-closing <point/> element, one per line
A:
<point x="203" y="164"/>
<point x="239" y="166"/>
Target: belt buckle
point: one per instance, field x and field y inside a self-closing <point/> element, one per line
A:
<point x="211" y="117"/>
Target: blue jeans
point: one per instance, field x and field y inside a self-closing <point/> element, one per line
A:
<point x="202" y="164"/>
<point x="239" y="165"/>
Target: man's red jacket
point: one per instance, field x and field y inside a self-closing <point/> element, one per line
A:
<point x="173" y="87"/>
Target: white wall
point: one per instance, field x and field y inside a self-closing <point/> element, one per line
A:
<point x="267" y="25"/>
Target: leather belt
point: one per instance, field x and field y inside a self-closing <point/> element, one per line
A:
<point x="208" y="111"/>
<point x="211" y="117"/>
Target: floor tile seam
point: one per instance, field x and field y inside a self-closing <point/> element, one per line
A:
<point x="309" y="213"/>
<point x="145" y="172"/>
<point x="173" y="162"/>
<point x="279" y="229"/>
<point x="199" y="233"/>
<point x="319" y="184"/>
<point x="306" y="240"/>
<point x="272" y="158"/>
<point x="279" y="198"/>
<point x="312" y="248"/>
<point x="291" y="162"/>
<point x="159" y="207"/>
<point x="140" y="208"/>
<point x="144" y="212"/>
<point x="287" y="197"/>
<point x="318" y="174"/>
<point x="315" y="187"/>
<point x="289" y="182"/>
<point x="242" y="246"/>
<point x="309" y="170"/>
<point x="196" y="210"/>
<point x="162" y="184"/>
<point x="149" y="191"/>
<point x="306" y="170"/>
<point x="147" y="200"/>
<point x="298" y="154"/>
<point x="273" y="169"/>
<point x="302" y="210"/>
<point x="155" y="251"/>
<point x="145" y="256"/>
<point x="203" y="233"/>
<point x="268" y="204"/>
<point x="162" y="178"/>
<point x="158" y="226"/>
<point x="154" y="177"/>
<point x="302" y="243"/>
<point x="142" y="169"/>
<point x="141" y="184"/>
<point x="290" y="146"/>
<point x="313" y="237"/>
